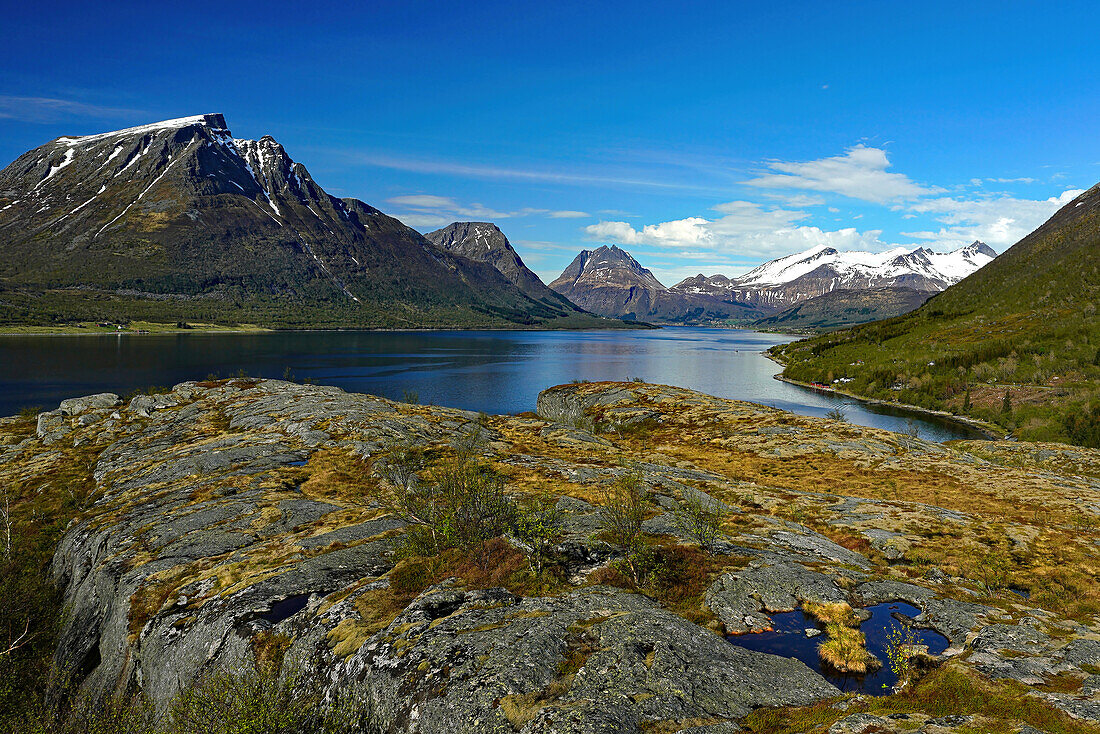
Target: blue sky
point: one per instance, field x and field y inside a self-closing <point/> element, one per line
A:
<point x="703" y="137"/>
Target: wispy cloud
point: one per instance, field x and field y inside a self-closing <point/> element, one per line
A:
<point x="429" y="210"/>
<point x="999" y="221"/>
<point x="49" y="109"/>
<point x="453" y="168"/>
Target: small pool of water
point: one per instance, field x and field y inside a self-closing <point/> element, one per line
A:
<point x="788" y="639"/>
<point x="285" y="608"/>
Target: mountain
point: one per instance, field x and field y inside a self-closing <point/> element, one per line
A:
<point x="819" y="270"/>
<point x="842" y="308"/>
<point x="180" y="220"/>
<point x="484" y="242"/>
<point x="1016" y="343"/>
<point x="610" y="282"/>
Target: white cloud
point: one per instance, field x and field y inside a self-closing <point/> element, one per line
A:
<point x="746" y="230"/>
<point x="798" y="200"/>
<point x="860" y="174"/>
<point x="568" y="214"/>
<point x="444" y="205"/>
<point x="425" y="221"/>
<point x="48" y="109"/>
<point x="999" y="222"/>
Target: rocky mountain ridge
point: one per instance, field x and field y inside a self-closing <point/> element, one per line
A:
<point x="484" y="242"/>
<point x="610" y="282"/>
<point x="181" y="218"/>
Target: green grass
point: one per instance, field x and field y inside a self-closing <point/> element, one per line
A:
<point x="1024" y="326"/>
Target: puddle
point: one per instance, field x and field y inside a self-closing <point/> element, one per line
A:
<point x="788" y="639"/>
<point x="303" y="462"/>
<point x="1023" y="593"/>
<point x="285" y="608"/>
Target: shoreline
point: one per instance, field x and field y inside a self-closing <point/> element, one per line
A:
<point x="994" y="433"/>
<point x="337" y="329"/>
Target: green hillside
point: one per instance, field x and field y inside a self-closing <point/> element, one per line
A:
<point x="1016" y="344"/>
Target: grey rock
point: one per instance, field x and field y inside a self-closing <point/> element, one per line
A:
<point x="76" y="406"/>
<point x="1082" y="652"/>
<point x="740" y="600"/>
<point x="857" y="724"/>
<point x="644" y="664"/>
<point x="50" y="422"/>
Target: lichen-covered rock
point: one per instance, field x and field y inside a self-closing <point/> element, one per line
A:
<point x="741" y="599"/>
<point x="229" y="508"/>
<point x="592" y="661"/>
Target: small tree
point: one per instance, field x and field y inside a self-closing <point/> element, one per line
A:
<point x="621" y="517"/>
<point x="992" y="571"/>
<point x="837" y="414"/>
<point x="966" y="400"/>
<point x="1006" y="403"/>
<point x="537" y="529"/>
<point x="900" y="645"/>
<point x="700" y="518"/>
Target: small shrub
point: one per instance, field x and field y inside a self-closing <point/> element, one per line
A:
<point x="837" y="414"/>
<point x="537" y="529"/>
<point x="900" y="645"/>
<point x="991" y="571"/>
<point x="621" y="516"/>
<point x="700" y="518"/>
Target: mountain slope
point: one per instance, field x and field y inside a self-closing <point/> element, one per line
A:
<point x="180" y="220"/>
<point x="1017" y="343"/>
<point x="795" y="278"/>
<point x="610" y="282"/>
<point x="843" y="308"/>
<point x="484" y="242"/>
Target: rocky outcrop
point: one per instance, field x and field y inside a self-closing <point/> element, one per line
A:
<point x="229" y="509"/>
<point x="452" y="658"/>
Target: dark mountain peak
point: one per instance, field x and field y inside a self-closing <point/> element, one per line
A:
<point x="468" y="238"/>
<point x="484" y="242"/>
<point x="182" y="207"/>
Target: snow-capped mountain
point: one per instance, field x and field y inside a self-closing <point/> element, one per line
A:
<point x="180" y="211"/>
<point x="610" y="282"/>
<point x="795" y="278"/>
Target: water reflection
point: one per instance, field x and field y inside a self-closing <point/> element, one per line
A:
<point x="490" y="371"/>
<point x="788" y="638"/>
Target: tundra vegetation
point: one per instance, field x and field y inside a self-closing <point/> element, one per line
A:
<point x="708" y="495"/>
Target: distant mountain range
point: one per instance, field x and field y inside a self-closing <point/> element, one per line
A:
<point x="1016" y="343"/>
<point x="180" y="220"/>
<point x="610" y="282"/>
<point x="789" y="280"/>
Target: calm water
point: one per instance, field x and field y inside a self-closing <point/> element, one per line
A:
<point x="490" y="371"/>
<point x="788" y="638"/>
